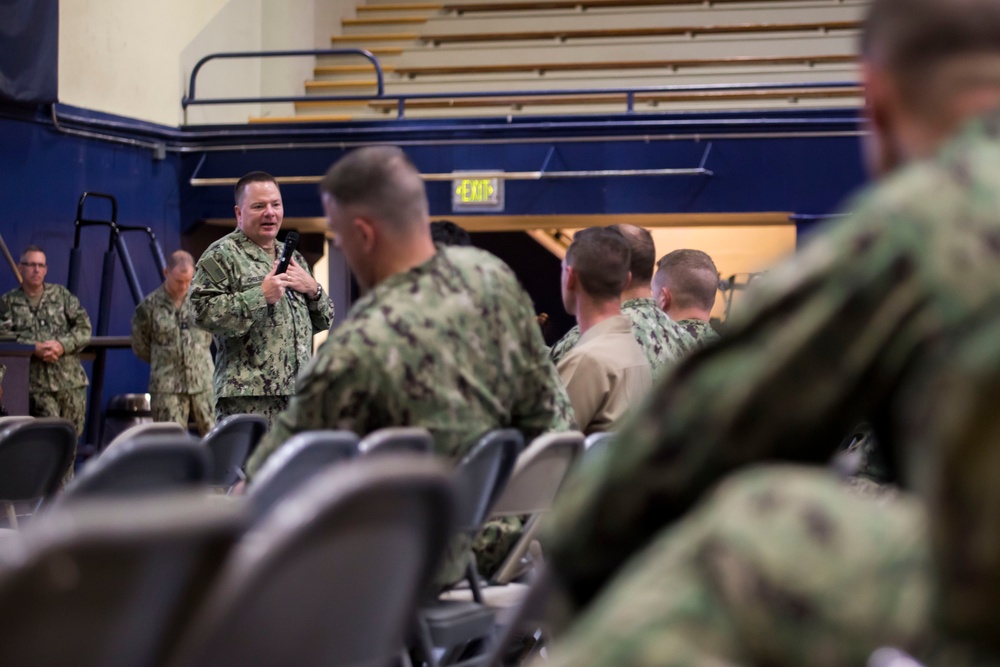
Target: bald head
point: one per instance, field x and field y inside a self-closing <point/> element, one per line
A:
<point x="381" y="182"/>
<point x="643" y="252"/>
<point x="180" y="259"/>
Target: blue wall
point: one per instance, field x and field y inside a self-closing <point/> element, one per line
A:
<point x="761" y="162"/>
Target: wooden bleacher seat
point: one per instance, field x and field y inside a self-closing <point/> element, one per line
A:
<point x="547" y="5"/>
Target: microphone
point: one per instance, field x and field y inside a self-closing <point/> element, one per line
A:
<point x="291" y="242"/>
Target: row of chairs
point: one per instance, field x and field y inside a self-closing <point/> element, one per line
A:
<point x="444" y="624"/>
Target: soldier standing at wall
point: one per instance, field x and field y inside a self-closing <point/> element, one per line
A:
<point x="179" y="354"/>
<point x="263" y="322"/>
<point x="52" y="319"/>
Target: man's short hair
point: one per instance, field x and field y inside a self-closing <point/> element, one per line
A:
<point x="383" y="181"/>
<point x="253" y="177"/>
<point x="179" y="258"/>
<point x="447" y="232"/>
<point x="600" y="258"/>
<point x="911" y="37"/>
<point x="640" y="243"/>
<point x="691" y="277"/>
<point x="31" y="248"/>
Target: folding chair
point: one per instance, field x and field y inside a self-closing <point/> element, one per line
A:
<point x="231" y="443"/>
<point x="396" y="439"/>
<point x="333" y="575"/>
<point x="34" y="456"/>
<point x="480" y="478"/>
<point x="144" y="465"/>
<point x="143" y="430"/>
<point x="108" y="584"/>
<point x="295" y="462"/>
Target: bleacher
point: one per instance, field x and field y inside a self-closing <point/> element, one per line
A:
<point x="507" y="58"/>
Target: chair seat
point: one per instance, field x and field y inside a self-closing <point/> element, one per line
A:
<point x="452" y="623"/>
<point x="502" y="598"/>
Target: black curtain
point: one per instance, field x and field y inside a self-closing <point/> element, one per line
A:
<point x="29" y="51"/>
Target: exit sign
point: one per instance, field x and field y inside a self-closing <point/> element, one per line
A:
<point x="473" y="193"/>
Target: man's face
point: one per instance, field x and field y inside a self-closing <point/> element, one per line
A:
<point x="348" y="239"/>
<point x="259" y="215"/>
<point x="178" y="280"/>
<point x="33" y="269"/>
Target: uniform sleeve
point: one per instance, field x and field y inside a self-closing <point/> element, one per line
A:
<point x="823" y="343"/>
<point x="334" y="391"/>
<point x="586" y="389"/>
<point x="321" y="310"/>
<point x="218" y="306"/>
<point x="142" y="332"/>
<point x="78" y="323"/>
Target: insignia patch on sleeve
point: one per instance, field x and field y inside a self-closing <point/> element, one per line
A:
<point x="213" y="270"/>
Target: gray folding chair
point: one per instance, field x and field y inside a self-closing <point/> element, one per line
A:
<point x="144" y="430"/>
<point x="397" y="439"/>
<point x="34" y="456"/>
<point x="13" y="419"/>
<point x="333" y="575"/>
<point x="480" y="478"/>
<point x="152" y="464"/>
<point x="292" y="465"/>
<point x="231" y="442"/>
<point x="109" y="584"/>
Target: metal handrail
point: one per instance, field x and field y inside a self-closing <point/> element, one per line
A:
<point x="190" y="99"/>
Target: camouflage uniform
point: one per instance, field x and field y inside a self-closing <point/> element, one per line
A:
<point x="180" y="358"/>
<point x="831" y="338"/>
<point x="662" y="340"/>
<point x="700" y="330"/>
<point x="260" y="348"/>
<point x="779" y="566"/>
<point x="451" y="345"/>
<point x="58" y="389"/>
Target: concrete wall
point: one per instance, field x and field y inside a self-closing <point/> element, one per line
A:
<point x="134" y="59"/>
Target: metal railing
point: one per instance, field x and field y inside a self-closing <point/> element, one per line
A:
<point x="628" y="93"/>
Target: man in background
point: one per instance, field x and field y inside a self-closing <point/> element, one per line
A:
<point x="606" y="372"/>
<point x="179" y="353"/>
<point x="263" y="322"/>
<point x="662" y="340"/>
<point x="50" y="317"/>
<point x="684" y="287"/>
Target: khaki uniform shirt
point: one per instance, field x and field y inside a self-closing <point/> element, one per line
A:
<point x="605" y="374"/>
<point x="179" y="353"/>
<point x="261" y="348"/>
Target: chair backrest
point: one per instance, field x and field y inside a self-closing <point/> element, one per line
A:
<point x="332" y="576"/>
<point x="145" y="429"/>
<point x="482" y="474"/>
<point x="110" y="584"/>
<point x="397" y="439"/>
<point x="143" y="465"/>
<point x="34" y="456"/>
<point x="538" y="473"/>
<point x="295" y="462"/>
<point x="231" y="442"/>
<point x="13" y="419"/>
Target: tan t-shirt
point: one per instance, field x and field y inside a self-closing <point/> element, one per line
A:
<point x="605" y="374"/>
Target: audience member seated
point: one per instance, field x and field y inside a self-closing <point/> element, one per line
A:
<point x="662" y="340"/>
<point x="685" y="286"/>
<point x="606" y="372"/>
<point x="447" y="232"/>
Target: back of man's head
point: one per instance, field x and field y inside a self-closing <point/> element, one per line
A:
<point x="914" y="39"/>
<point x="253" y="177"/>
<point x="600" y="258"/>
<point x="691" y="277"/>
<point x="643" y="252"/>
<point x="381" y="182"/>
<point x="447" y="232"/>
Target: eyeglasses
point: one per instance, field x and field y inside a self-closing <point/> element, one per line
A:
<point x="33" y="265"/>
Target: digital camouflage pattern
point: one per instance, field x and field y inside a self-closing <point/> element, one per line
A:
<point x="662" y="340"/>
<point x="828" y="340"/>
<point x="700" y="330"/>
<point x="268" y="407"/>
<point x="780" y="566"/>
<point x="451" y="345"/>
<point x="180" y="359"/>
<point x="260" y="348"/>
<point x="59" y="316"/>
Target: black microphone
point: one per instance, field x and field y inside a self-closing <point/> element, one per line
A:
<point x="291" y="242"/>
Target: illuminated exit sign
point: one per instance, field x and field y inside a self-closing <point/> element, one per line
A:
<point x="473" y="193"/>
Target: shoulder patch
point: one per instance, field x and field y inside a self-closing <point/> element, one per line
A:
<point x="214" y="271"/>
